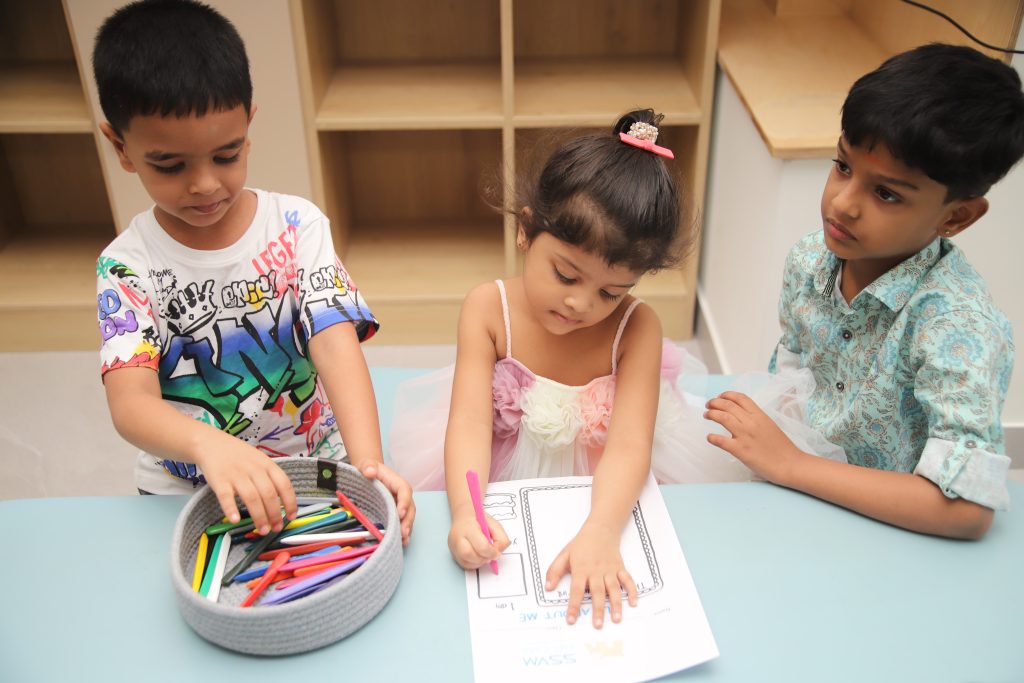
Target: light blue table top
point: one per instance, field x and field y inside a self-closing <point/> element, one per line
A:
<point x="795" y="589"/>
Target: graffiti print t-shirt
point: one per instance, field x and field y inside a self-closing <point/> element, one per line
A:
<point x="227" y="330"/>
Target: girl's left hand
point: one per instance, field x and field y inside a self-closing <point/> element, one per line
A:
<point x="756" y="440"/>
<point x="595" y="562"/>
<point x="400" y="489"/>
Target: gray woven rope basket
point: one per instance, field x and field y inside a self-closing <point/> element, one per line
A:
<point x="307" y="623"/>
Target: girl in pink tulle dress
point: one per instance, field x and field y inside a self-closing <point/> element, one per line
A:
<point x="561" y="371"/>
<point x="544" y="428"/>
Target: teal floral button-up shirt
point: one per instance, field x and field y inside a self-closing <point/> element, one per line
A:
<point x="912" y="374"/>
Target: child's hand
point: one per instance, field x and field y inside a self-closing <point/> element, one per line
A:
<point x="594" y="559"/>
<point x="756" y="440"/>
<point x="400" y="489"/>
<point x="234" y="468"/>
<point x="468" y="544"/>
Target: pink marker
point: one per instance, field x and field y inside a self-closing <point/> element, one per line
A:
<point x="478" y="506"/>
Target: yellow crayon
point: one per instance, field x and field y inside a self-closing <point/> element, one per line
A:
<point x="197" y="575"/>
<point x="303" y="521"/>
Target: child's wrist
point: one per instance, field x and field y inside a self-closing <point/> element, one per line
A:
<point x="461" y="511"/>
<point x="787" y="474"/>
<point x="364" y="462"/>
<point x="197" y="446"/>
<point x="601" y="528"/>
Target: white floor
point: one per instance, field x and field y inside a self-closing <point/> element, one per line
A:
<point x="56" y="437"/>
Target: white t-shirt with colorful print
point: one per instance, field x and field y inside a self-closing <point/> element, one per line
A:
<point x="227" y="330"/>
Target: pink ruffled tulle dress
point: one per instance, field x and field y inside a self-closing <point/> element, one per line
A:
<point x="542" y="428"/>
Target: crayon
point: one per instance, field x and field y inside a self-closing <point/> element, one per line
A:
<point x="221" y="527"/>
<point x="473" y="481"/>
<point x="329" y="557"/>
<point x="297" y="549"/>
<point x="358" y="514"/>
<point x="312" y="582"/>
<point x="197" y="574"/>
<point x="346" y="524"/>
<point x="218" y="569"/>
<point x="313" y="569"/>
<point x="204" y="588"/>
<point x="250" y="556"/>
<point x="259" y="571"/>
<point x="337" y="537"/>
<point x="279" y="578"/>
<point x="313" y="500"/>
<point x="334" y="517"/>
<point x="265" y="581"/>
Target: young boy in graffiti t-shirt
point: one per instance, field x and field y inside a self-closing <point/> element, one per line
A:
<point x="230" y="330"/>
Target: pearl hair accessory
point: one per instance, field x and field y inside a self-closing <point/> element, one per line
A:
<point x="643" y="135"/>
<point x="643" y="131"/>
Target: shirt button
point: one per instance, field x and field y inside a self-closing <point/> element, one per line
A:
<point x="847" y="335"/>
<point x="971" y="444"/>
<point x="840" y="386"/>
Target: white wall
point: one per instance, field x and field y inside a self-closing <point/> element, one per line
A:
<point x="756" y="208"/>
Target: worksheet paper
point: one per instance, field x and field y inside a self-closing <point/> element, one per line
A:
<point x="518" y="629"/>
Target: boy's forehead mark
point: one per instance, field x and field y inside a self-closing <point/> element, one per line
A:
<point x="161" y="155"/>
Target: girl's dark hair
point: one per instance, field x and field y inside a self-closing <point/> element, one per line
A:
<point x="949" y="111"/>
<point x="608" y="198"/>
<point x="169" y="57"/>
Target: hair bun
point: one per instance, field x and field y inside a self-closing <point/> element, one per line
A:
<point x="648" y="116"/>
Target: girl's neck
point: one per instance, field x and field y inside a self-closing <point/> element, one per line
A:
<point x="574" y="358"/>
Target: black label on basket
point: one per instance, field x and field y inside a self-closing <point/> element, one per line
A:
<point x="327" y="474"/>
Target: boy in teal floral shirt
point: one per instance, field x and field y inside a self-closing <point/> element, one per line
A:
<point x="911" y="357"/>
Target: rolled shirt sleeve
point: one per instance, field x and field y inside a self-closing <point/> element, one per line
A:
<point x="965" y="363"/>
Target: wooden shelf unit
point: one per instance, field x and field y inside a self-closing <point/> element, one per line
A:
<point x="410" y="222"/>
<point x="55" y="215"/>
<point x="411" y="107"/>
<point x="793" y="61"/>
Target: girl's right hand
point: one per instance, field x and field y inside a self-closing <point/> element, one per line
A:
<point x="234" y="468"/>
<point x="468" y="544"/>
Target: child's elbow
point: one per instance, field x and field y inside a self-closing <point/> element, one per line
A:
<point x="971" y="521"/>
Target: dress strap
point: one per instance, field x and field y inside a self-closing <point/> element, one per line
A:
<point x="504" y="315"/>
<point x="618" y="333"/>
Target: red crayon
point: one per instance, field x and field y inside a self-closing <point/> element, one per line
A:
<point x="267" y="578"/>
<point x="358" y="514"/>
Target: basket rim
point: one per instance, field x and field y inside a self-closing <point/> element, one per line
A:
<point x="183" y="585"/>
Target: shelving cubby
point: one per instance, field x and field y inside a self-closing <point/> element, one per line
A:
<point x="410" y="223"/>
<point x="408" y="105"/>
<point x="55" y="214"/>
<point x="578" y="62"/>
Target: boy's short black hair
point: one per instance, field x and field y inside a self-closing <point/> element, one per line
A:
<point x="169" y="57"/>
<point x="610" y="199"/>
<point x="949" y="111"/>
